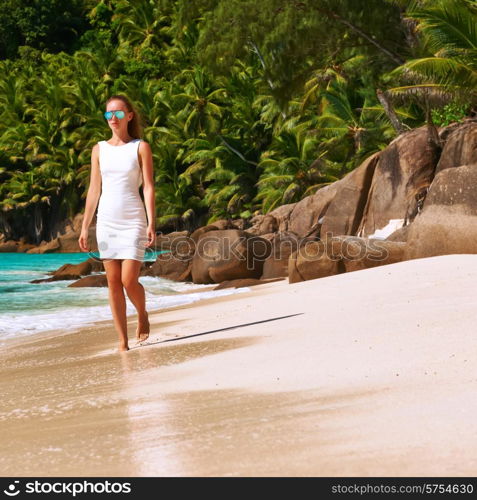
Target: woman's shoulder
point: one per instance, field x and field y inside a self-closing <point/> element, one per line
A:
<point x="143" y="145"/>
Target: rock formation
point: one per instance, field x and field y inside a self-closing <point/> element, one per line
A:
<point x="408" y="201"/>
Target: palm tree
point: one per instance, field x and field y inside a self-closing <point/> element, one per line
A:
<point x="140" y="22"/>
<point x="180" y="52"/>
<point x="177" y="199"/>
<point x="449" y="71"/>
<point x="25" y="192"/>
<point x="356" y="129"/>
<point x="203" y="102"/>
<point x="346" y="117"/>
<point x="292" y="169"/>
<point x="221" y="175"/>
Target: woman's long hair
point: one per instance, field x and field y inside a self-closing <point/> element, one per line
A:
<point x="135" y="125"/>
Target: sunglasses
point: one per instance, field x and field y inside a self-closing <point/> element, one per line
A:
<point x="109" y="114"/>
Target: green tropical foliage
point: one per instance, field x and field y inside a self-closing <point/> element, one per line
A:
<point x="53" y="24"/>
<point x="446" y="71"/>
<point x="247" y="105"/>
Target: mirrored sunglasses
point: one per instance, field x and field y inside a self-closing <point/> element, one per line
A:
<point x="109" y="114"/>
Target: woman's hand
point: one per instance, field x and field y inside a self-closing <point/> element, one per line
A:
<point x="151" y="236"/>
<point x="83" y="240"/>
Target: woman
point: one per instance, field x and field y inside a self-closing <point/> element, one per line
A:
<point x="118" y="167"/>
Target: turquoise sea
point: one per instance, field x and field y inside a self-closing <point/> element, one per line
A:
<point x="28" y="308"/>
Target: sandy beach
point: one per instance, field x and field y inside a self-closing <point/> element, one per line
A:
<point x="369" y="373"/>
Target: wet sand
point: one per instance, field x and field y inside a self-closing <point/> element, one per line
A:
<point x="370" y="373"/>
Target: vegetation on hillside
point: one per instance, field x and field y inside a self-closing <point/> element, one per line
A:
<point x="247" y="105"/>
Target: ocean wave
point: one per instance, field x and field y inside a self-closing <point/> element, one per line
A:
<point x="71" y="318"/>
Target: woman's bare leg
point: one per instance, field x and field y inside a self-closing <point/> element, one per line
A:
<point x="117" y="300"/>
<point x="137" y="295"/>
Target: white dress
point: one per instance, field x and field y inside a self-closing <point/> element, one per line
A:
<point x="121" y="227"/>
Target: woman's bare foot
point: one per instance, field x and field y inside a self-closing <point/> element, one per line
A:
<point x="123" y="347"/>
<point x="143" y="329"/>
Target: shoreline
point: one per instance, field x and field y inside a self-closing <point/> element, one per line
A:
<point x="131" y="318"/>
<point x="370" y="373"/>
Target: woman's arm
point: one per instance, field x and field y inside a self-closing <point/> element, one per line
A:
<point x="94" y="192"/>
<point x="94" y="189"/>
<point x="145" y="158"/>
